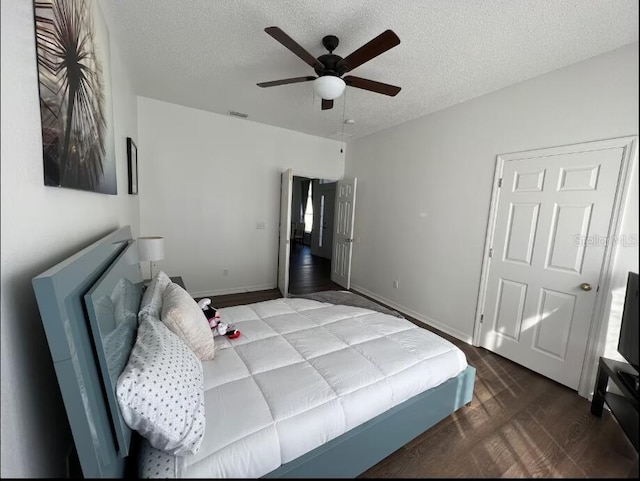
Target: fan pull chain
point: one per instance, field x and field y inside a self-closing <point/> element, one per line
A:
<point x="344" y="105"/>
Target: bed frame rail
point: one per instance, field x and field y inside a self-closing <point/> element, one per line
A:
<point x="357" y="450"/>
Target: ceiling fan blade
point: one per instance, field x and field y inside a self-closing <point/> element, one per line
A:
<point x="383" y="42"/>
<point x="292" y="45"/>
<point x="327" y="104"/>
<point x="372" y="85"/>
<point x="285" y="81"/>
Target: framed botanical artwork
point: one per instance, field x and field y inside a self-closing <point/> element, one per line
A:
<point x="132" y="156"/>
<point x="76" y="111"/>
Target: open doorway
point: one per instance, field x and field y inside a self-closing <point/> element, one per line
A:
<point x="312" y="209"/>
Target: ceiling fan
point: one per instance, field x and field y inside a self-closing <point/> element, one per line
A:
<point x="330" y="68"/>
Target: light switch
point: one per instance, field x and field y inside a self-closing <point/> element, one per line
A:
<point x="260" y="225"/>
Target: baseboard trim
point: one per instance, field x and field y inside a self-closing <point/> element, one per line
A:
<point x="416" y="315"/>
<point x="234" y="290"/>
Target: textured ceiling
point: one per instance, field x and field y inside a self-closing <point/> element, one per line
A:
<point x="209" y="54"/>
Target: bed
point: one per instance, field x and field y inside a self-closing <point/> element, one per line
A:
<point x="310" y="389"/>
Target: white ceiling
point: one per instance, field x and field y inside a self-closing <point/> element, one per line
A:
<point x="209" y="54"/>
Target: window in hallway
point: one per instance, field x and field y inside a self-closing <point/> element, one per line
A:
<point x="308" y="214"/>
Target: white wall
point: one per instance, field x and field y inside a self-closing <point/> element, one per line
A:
<point x="424" y="187"/>
<point x="40" y="227"/>
<point x="207" y="179"/>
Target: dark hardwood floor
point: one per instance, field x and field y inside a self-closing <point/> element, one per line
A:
<point x="519" y="425"/>
<point x="309" y="273"/>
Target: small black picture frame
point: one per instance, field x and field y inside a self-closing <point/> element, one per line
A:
<point x="132" y="156"/>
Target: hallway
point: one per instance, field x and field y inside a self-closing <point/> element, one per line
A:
<point x="309" y="273"/>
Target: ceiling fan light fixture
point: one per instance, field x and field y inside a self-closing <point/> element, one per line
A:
<point x="329" y="67"/>
<point x="329" y="87"/>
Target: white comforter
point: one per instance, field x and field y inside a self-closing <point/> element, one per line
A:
<point x="302" y="373"/>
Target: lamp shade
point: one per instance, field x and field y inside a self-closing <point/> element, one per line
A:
<point x="329" y="87"/>
<point x="151" y="248"/>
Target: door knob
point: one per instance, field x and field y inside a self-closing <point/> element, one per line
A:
<point x="585" y="286"/>
<point x="348" y="240"/>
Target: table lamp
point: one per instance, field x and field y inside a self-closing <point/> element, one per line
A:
<point x="150" y="249"/>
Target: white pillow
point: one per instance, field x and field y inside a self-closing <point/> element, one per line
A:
<point x="151" y="303"/>
<point x="161" y="391"/>
<point x="182" y="315"/>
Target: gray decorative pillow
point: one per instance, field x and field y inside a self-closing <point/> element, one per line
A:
<point x="161" y="391"/>
<point x="151" y="303"/>
<point x="182" y="315"/>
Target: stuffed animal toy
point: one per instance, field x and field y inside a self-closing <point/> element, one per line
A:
<point x="218" y="327"/>
<point x="210" y="313"/>
<point x="224" y="329"/>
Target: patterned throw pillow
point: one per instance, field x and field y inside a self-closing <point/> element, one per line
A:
<point x="154" y="463"/>
<point x="182" y="315"/>
<point x="161" y="390"/>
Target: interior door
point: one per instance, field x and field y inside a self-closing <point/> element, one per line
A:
<point x="344" y="216"/>
<point x="553" y="214"/>
<point x="286" y="189"/>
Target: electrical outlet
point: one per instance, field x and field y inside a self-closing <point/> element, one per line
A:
<point x="225" y="272"/>
<point x="395" y="284"/>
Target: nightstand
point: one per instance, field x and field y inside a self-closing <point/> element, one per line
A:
<point x="178" y="280"/>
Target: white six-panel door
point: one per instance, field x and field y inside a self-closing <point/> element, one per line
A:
<point x="343" y="232"/>
<point x="546" y="257"/>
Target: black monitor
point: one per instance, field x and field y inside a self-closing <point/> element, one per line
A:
<point x="629" y="341"/>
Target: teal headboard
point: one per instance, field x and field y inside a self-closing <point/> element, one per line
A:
<point x="113" y="304"/>
<point x="60" y="292"/>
